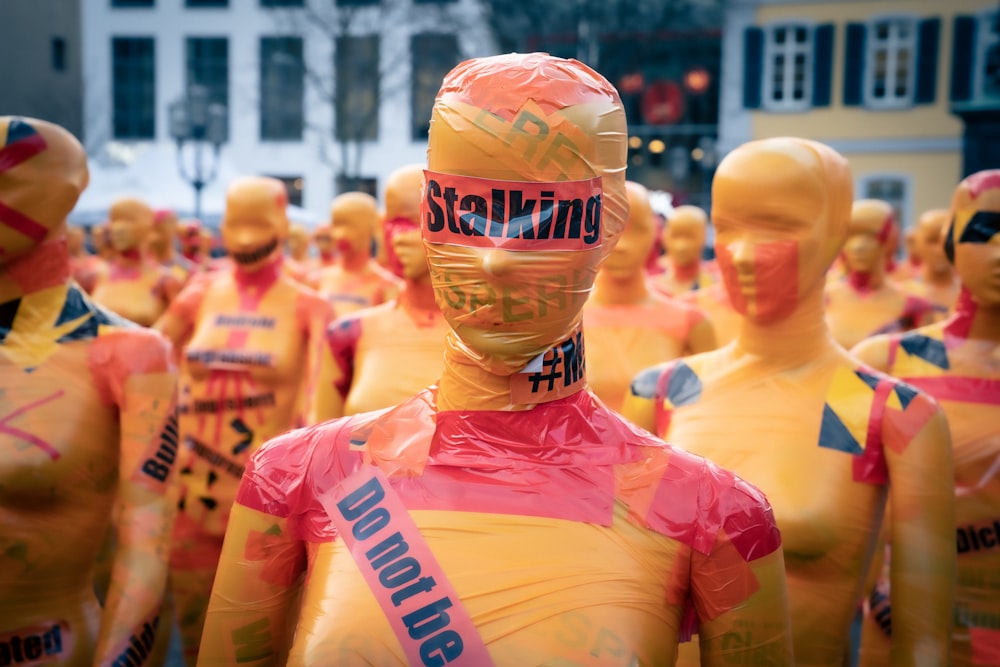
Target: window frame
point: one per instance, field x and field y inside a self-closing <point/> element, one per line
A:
<point x="214" y="89"/>
<point x="419" y="132"/>
<point x="771" y="51"/>
<point x="345" y="127"/>
<point x="281" y="95"/>
<point x="144" y="84"/>
<point x="894" y="46"/>
<point x="985" y="38"/>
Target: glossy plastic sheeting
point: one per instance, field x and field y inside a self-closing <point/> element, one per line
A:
<point x="87" y="431"/>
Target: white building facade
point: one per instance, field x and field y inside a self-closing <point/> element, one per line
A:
<point x="285" y="70"/>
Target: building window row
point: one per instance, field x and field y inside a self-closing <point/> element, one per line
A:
<point x="282" y="81"/>
<point x="265" y="3"/>
<point x="889" y="63"/>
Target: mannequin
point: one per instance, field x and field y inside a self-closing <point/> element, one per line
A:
<point x="401" y="341"/>
<point x="355" y="280"/>
<point x="864" y="303"/>
<point x="325" y="247"/>
<point x="192" y="244"/>
<point x="571" y="543"/>
<point x="936" y="279"/>
<point x="88" y="425"/>
<point x="909" y="268"/>
<point x="162" y="242"/>
<point x="84" y="267"/>
<point x="684" y="239"/>
<point x="627" y="326"/>
<point x="297" y="254"/>
<point x="714" y="302"/>
<point x="958" y="362"/>
<point x="252" y="339"/>
<point x="134" y="285"/>
<point x="789" y="410"/>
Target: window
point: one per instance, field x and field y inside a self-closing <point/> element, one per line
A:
<point x="892" y="189"/>
<point x="206" y="3"/>
<point x="357" y="72"/>
<point x="988" y="71"/>
<point x="356" y="3"/>
<point x="433" y="55"/>
<point x="133" y="87"/>
<point x="294" y="185"/>
<point x="132" y="3"/>
<point x="59" y="54"/>
<point x="787" y="66"/>
<point x="890" y="63"/>
<point x="282" y="89"/>
<point x="282" y="3"/>
<point x="208" y="66"/>
<point x="365" y="184"/>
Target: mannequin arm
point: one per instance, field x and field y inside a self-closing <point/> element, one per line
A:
<point x="315" y="314"/>
<point x="336" y="368"/>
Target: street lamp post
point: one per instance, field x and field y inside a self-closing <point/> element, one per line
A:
<point x="193" y="119"/>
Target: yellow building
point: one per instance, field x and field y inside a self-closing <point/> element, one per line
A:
<point x="907" y="90"/>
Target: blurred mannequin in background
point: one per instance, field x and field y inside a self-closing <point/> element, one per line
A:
<point x="385" y="354"/>
<point x="192" y="244"/>
<point x="909" y="268"/>
<point x="252" y="339"/>
<point x="684" y="240"/>
<point x="528" y="522"/>
<point x="628" y="327"/>
<point x="864" y="303"/>
<point x="786" y="408"/>
<point x="297" y="253"/>
<point x="84" y="267"/>
<point x="936" y="279"/>
<point x="355" y="280"/>
<point x="87" y="434"/>
<point x="958" y="363"/>
<point x="326" y="249"/>
<point x="134" y="285"/>
<point x="163" y="242"/>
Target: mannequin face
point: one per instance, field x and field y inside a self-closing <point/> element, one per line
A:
<point x="323" y="240"/>
<point x="780" y="209"/>
<point x="164" y="232"/>
<point x="130" y="224"/>
<point x="255" y="223"/>
<point x="975" y="235"/>
<point x="869" y="236"/>
<point x="353" y="219"/>
<point x="928" y="240"/>
<point x="684" y="235"/>
<point x="408" y="248"/>
<point x="628" y="258"/>
<point x="297" y="242"/>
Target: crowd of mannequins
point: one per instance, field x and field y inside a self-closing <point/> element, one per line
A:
<point x="504" y="414"/>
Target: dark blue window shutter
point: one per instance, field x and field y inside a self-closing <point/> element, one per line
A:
<point x="753" y="66"/>
<point x="963" y="49"/>
<point x="928" y="37"/>
<point x="822" y="64"/>
<point x="854" y="65"/>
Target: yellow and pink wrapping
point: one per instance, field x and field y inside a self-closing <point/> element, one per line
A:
<point x="87" y="431"/>
<point x="958" y="363"/>
<point x="504" y="517"/>
<point x="825" y="437"/>
<point x="252" y="342"/>
<point x="626" y="325"/>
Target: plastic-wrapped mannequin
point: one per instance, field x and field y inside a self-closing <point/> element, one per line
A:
<point x="134" y="284"/>
<point x="84" y="267"/>
<point x="528" y="524"/>
<point x="162" y="242"/>
<point x="86" y="423"/>
<point x="628" y="327"/>
<point x="936" y="279"/>
<point x="252" y="340"/>
<point x="789" y="410"/>
<point x="684" y="239"/>
<point x="958" y="362"/>
<point x="864" y="303"/>
<point x="385" y="354"/>
<point x="355" y="280"/>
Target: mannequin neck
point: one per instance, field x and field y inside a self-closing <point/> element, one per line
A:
<point x="793" y="340"/>
<point x="684" y="272"/>
<point x="625" y="290"/>
<point x="354" y="262"/>
<point x="973" y="320"/>
<point x="129" y="257"/>
<point x="418" y="294"/>
<point x="468" y="385"/>
<point x="261" y="276"/>
<point x="166" y="254"/>
<point x="865" y="281"/>
<point x="327" y="257"/>
<point x="45" y="266"/>
<point x="943" y="277"/>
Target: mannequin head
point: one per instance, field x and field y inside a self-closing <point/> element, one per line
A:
<point x="43" y="170"/>
<point x="521" y="127"/>
<point x="928" y="241"/>
<point x="973" y="240"/>
<point x="403" y="191"/>
<point x="684" y="235"/>
<point x="161" y="240"/>
<point x="323" y="240"/>
<point x="353" y="218"/>
<point x="255" y="222"/>
<point x="869" y="237"/>
<point x="189" y="235"/>
<point x="130" y="223"/>
<point x="781" y="208"/>
<point x="75" y="239"/>
<point x="297" y="242"/>
<point x="628" y="259"/>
